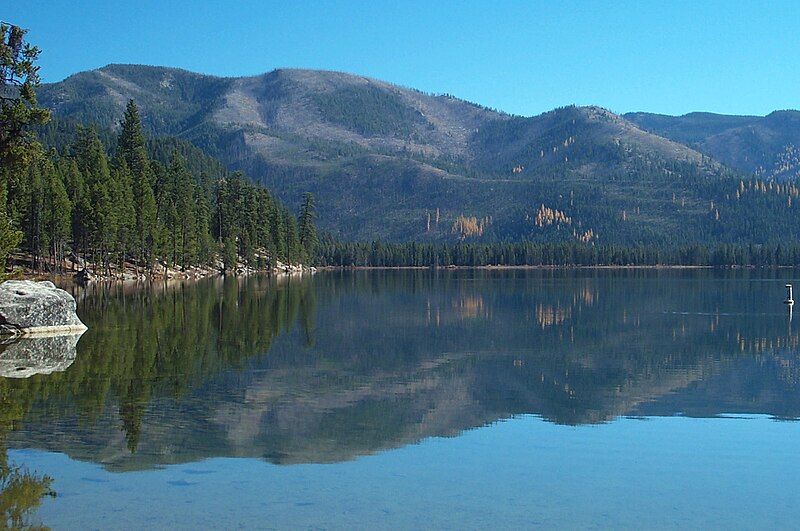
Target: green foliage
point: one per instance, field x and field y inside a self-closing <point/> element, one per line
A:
<point x="10" y="238"/>
<point x="155" y="200"/>
<point x="21" y="492"/>
<point x="131" y="147"/>
<point x="19" y="113"/>
<point x="307" y="228"/>
<point x="249" y="222"/>
<point x="19" y="110"/>
<point x="369" y="111"/>
<point x="379" y="254"/>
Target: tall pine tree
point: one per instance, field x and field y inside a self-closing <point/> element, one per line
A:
<point x="131" y="146"/>
<point x="308" y="231"/>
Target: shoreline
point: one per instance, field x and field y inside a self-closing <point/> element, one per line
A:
<point x="305" y="270"/>
<point x="86" y="272"/>
<point x="70" y="278"/>
<point x="545" y="267"/>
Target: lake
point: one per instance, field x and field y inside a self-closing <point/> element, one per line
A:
<point x="415" y="399"/>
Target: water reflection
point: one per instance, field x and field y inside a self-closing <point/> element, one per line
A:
<point x="21" y="490"/>
<point x="41" y="354"/>
<point x="346" y="364"/>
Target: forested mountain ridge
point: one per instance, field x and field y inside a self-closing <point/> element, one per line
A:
<point x="768" y="146"/>
<point x="392" y="163"/>
<point x="332" y="113"/>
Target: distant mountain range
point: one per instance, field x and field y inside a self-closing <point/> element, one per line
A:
<point x="393" y="163"/>
<point x="764" y="145"/>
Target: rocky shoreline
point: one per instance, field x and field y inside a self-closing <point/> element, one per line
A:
<point x="84" y="272"/>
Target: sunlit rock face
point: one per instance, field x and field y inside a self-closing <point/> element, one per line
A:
<point x="28" y="307"/>
<point x="40" y="354"/>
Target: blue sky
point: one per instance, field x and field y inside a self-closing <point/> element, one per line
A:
<point x="522" y="57"/>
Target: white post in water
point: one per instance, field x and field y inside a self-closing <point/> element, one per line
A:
<point x="789" y="300"/>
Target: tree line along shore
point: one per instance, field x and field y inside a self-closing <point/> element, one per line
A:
<point x="336" y="254"/>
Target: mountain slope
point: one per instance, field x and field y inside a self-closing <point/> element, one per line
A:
<point x="394" y="163"/>
<point x="764" y="145"/>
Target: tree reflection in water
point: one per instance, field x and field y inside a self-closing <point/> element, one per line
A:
<point x="21" y="491"/>
<point x="351" y="363"/>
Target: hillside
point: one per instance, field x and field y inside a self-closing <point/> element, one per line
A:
<point x="764" y="145"/>
<point x="397" y="164"/>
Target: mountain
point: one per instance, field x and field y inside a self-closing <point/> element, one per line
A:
<point x="768" y="146"/>
<point x="388" y="162"/>
<point x="278" y="111"/>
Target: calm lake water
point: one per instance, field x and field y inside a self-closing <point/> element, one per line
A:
<point x="415" y="399"/>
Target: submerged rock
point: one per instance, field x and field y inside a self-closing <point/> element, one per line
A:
<point x="27" y="356"/>
<point x="28" y="307"/>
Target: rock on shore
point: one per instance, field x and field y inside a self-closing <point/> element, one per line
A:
<point x="29" y="307"/>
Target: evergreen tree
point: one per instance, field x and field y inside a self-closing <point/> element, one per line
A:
<point x="206" y="248"/>
<point x="294" y="251"/>
<point x="10" y="238"/>
<point x="81" y="210"/>
<point x="101" y="221"/>
<point x="131" y="146"/>
<point x="19" y="112"/>
<point x="179" y="213"/>
<point x="122" y="199"/>
<point x="58" y="217"/>
<point x="229" y="254"/>
<point x="278" y="230"/>
<point x="32" y="213"/>
<point x="308" y="231"/>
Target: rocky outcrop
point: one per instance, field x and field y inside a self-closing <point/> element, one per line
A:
<point x="28" y="307"/>
<point x="27" y="356"/>
<point x="291" y="269"/>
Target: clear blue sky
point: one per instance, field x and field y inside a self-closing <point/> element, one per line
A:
<point x="527" y="57"/>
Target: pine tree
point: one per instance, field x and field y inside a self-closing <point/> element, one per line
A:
<point x="265" y="207"/>
<point x="180" y="216"/>
<point x="58" y="213"/>
<point x="131" y="146"/>
<point x="10" y="238"/>
<point x="19" y="112"/>
<point x="229" y="254"/>
<point x="308" y="231"/>
<point x="81" y="210"/>
<point x="33" y="215"/>
<point x="101" y="224"/>
<point x="294" y="250"/>
<point x="206" y="248"/>
<point x="277" y="228"/>
<point x="122" y="198"/>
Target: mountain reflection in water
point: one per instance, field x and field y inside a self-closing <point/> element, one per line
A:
<point x="344" y="364"/>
